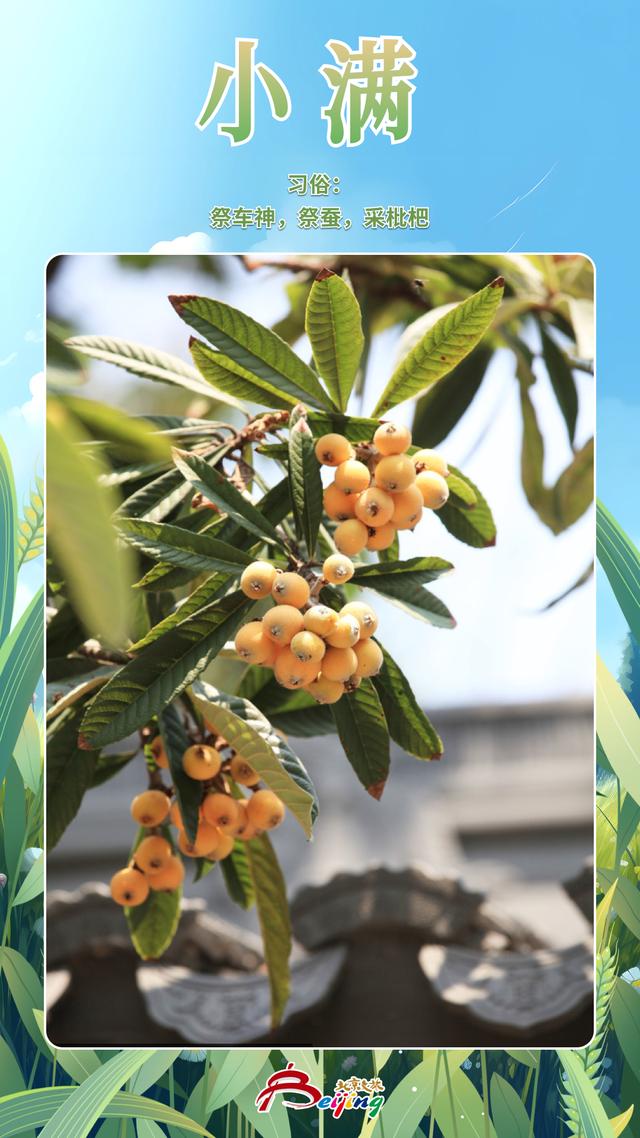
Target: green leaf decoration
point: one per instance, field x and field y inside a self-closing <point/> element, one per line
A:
<point x="188" y="792"/>
<point x="619" y="1122"/>
<point x="21" y="659"/>
<point x="604" y="916"/>
<point x="26" y="991"/>
<point x="524" y="1056"/>
<point x="255" y="348"/>
<point x="408" y="1102"/>
<point x="78" y="1115"/>
<point x="33" y="884"/>
<point x="276" y="1123"/>
<point x="364" y="734"/>
<point x="304" y="479"/>
<point x="443" y="347"/>
<point x="618" y="730"/>
<point x="510" y="1118"/>
<point x="593" y="1054"/>
<point x="230" y="1072"/>
<point x="147" y="363"/>
<point x="462" y="1099"/>
<point x="11" y="1078"/>
<point x="418" y="570"/>
<point x="232" y="378"/>
<point x="627" y="898"/>
<point x="13" y="822"/>
<point x="162" y="670"/>
<point x="334" y="327"/>
<point x="273" y="914"/>
<point x="8" y="527"/>
<point x="591" y="1113"/>
<point x="31" y="528"/>
<point x="213" y="484"/>
<point x="70" y="772"/>
<point x="132" y="439"/>
<point x="28" y="752"/>
<point x="237" y="878"/>
<point x="562" y="381"/>
<point x="25" y="1111"/>
<point x="196" y="552"/>
<point x="252" y="736"/>
<point x="628" y="823"/>
<point x="99" y="572"/>
<point x="625" y="1015"/>
<point x="621" y="562"/>
<point x="145" y="1128"/>
<point x="407" y="723"/>
<point x="152" y="1071"/>
<point x="311" y="1061"/>
<point x="475" y="526"/>
<point x="443" y="405"/>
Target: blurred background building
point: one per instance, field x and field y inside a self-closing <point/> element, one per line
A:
<point x="509" y="807"/>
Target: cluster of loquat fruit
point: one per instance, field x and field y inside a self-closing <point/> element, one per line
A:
<point x="378" y="488"/>
<point x="156" y="865"/>
<point x="308" y="645"/>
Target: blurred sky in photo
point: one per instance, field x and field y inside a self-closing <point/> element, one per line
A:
<point x="505" y="649"/>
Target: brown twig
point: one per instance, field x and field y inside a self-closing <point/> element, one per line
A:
<point x="93" y="650"/>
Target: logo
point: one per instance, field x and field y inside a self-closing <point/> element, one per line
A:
<point x="348" y="1094"/>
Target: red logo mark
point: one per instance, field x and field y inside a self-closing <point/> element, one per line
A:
<point x="288" y="1081"/>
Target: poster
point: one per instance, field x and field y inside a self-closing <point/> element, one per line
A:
<point x="308" y="826"/>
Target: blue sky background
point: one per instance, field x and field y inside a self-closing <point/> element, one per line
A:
<point x="100" y="153"/>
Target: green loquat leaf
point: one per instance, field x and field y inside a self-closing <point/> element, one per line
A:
<point x="443" y="346"/>
<point x="334" y="327"/>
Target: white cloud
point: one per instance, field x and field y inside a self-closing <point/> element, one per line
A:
<point x="194" y="243"/>
<point x="33" y="409"/>
<point x="22" y="428"/>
